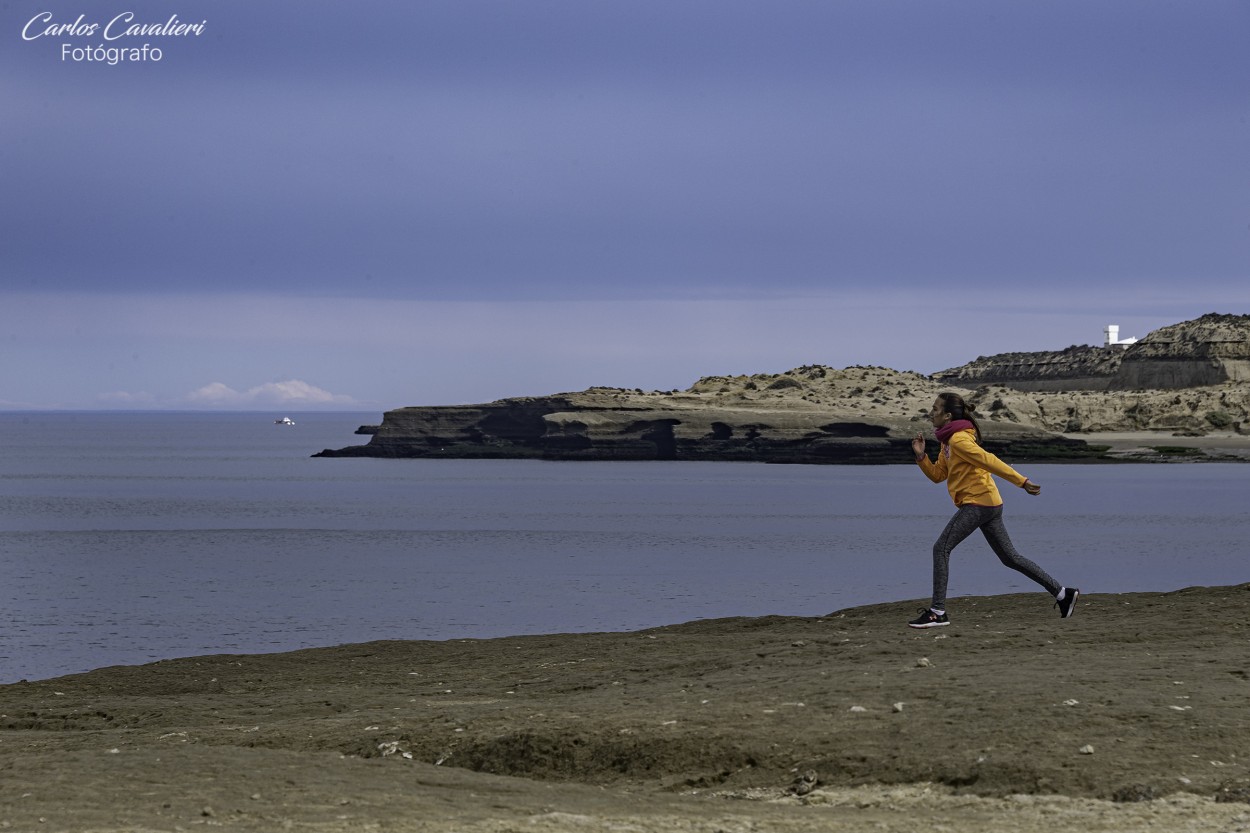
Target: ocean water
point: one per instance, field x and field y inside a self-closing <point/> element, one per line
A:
<point x="131" y="537"/>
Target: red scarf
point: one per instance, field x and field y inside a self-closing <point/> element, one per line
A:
<point x="949" y="430"/>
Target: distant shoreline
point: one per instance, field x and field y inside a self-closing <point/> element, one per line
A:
<point x="1143" y="446"/>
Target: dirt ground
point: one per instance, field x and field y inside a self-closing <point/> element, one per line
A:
<point x="1131" y="716"/>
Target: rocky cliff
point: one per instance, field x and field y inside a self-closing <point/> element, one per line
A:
<point x="811" y="414"/>
<point x="1209" y="350"/>
<point x="1199" y="370"/>
<point x="1079" y="367"/>
<point x="1190" y="411"/>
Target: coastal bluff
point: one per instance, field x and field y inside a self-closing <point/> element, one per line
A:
<point x="1189" y="379"/>
<point x="1210" y="350"/>
<point x="812" y="414"/>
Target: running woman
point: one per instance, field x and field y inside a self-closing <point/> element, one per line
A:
<point x="966" y="468"/>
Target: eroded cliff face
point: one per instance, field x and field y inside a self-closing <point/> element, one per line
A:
<point x="1079" y="367"/>
<point x="1200" y="410"/>
<point x="1200" y="371"/>
<point x="1210" y="350"/>
<point x="808" y="415"/>
<point x="1192" y="378"/>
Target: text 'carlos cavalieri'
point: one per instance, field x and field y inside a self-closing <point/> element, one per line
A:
<point x="117" y="34"/>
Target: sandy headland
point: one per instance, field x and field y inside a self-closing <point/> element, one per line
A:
<point x="1129" y="716"/>
<point x="855" y="415"/>
<point x="1182" y="392"/>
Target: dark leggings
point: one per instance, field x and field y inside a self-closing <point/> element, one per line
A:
<point x="988" y="519"/>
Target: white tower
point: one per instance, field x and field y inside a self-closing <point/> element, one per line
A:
<point x="1112" y="334"/>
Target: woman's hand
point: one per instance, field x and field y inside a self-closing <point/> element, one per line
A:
<point x="1032" y="488"/>
<point x="917" y="446"/>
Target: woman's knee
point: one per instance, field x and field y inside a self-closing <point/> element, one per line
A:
<point x="1010" y="559"/>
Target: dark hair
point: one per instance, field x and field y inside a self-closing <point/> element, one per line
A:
<point x="954" y="404"/>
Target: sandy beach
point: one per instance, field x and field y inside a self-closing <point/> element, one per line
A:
<point x="1146" y="445"/>
<point x="1129" y="716"/>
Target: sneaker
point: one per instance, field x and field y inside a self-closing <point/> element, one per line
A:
<point x="929" y="619"/>
<point x="1067" y="605"/>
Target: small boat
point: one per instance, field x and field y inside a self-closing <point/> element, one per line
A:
<point x="284" y="421"/>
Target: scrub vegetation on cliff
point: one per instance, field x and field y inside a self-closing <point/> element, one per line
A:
<point x="1189" y="379"/>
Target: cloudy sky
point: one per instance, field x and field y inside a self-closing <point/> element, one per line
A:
<point x="365" y="205"/>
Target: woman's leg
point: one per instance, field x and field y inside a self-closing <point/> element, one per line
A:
<point x="960" y="526"/>
<point x="996" y="534"/>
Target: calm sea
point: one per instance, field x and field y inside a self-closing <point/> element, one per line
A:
<point x="131" y="537"/>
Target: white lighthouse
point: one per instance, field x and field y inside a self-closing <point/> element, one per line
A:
<point x="1112" y="333"/>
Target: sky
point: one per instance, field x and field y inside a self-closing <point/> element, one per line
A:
<point x="361" y="206"/>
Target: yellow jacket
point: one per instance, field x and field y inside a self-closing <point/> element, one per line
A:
<point x="966" y="467"/>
